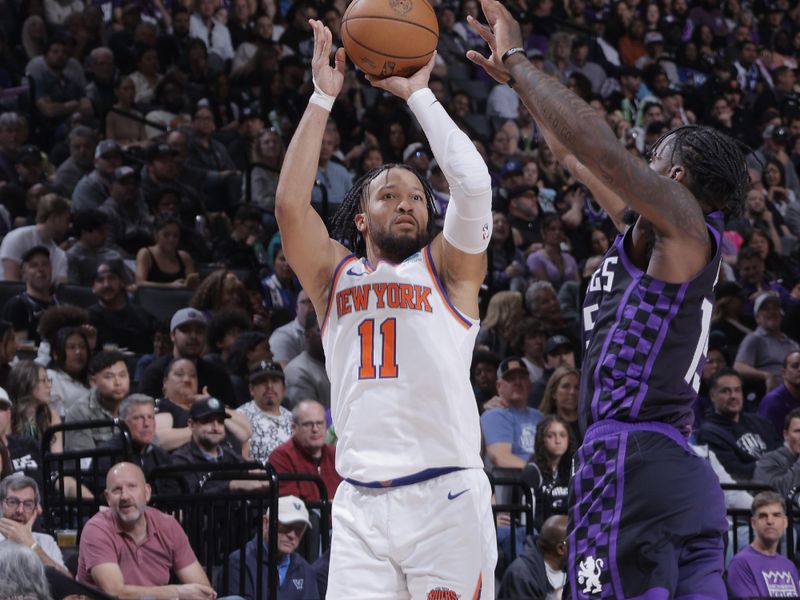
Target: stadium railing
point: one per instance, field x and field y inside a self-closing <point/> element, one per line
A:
<point x="86" y="467"/>
<point x="218" y="524"/>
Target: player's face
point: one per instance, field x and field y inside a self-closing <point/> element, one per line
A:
<point x="792" y="436"/>
<point x="791" y="373"/>
<point x="514" y="387"/>
<point x="727" y="397"/>
<point x="396" y="218"/>
<point x="769" y="523"/>
<point x="556" y="440"/>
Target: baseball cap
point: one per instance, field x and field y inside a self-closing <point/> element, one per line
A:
<point x="776" y="132"/>
<point x="35" y="251"/>
<point x="113" y="267"/>
<point x="512" y="166"/>
<point x="653" y="37"/>
<point x="413" y="149"/>
<point x="292" y="509"/>
<point x="206" y="408"/>
<point x="510" y="365"/>
<point x="4" y="399"/>
<point x="533" y="53"/>
<point x="107" y="147"/>
<point x="123" y="172"/>
<point x="556" y="342"/>
<point x="28" y="153"/>
<point x="187" y="315"/>
<point x="770" y="296"/>
<point x="521" y="190"/>
<point x="249" y="112"/>
<point x="266" y="368"/>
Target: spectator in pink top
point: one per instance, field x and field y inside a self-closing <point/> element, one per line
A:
<point x="129" y="550"/>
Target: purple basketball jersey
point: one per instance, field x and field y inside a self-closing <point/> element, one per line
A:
<point x="645" y="340"/>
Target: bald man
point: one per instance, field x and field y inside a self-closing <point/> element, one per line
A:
<point x="541" y="570"/>
<point x="129" y="550"/>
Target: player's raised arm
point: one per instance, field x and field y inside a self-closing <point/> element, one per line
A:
<point x="670" y="207"/>
<point x="459" y="254"/>
<point x="311" y="253"/>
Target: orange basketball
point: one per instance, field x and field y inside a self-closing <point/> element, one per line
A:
<point x="390" y="37"/>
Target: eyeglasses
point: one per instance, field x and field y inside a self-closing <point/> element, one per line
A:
<point x="13" y="504"/>
<point x="312" y="424"/>
<point x="46" y="380"/>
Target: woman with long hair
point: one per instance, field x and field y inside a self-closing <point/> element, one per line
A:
<point x="553" y="448"/>
<point x="29" y="388"/>
<point x="551" y="263"/>
<point x="8" y="350"/>
<point x="220" y="289"/>
<point x="778" y="266"/>
<point x="69" y="369"/>
<point x="125" y="131"/>
<point x="180" y="391"/>
<point x="266" y="158"/>
<point x="162" y="264"/>
<point x="561" y="397"/>
<point x="500" y="323"/>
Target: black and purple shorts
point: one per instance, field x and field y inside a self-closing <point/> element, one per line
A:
<point x="647" y="517"/>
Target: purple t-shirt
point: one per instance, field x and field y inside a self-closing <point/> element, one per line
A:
<point x="165" y="548"/>
<point x="752" y="574"/>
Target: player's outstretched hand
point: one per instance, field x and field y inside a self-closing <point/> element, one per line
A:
<point x="327" y="79"/>
<point x="502" y="34"/>
<point x="403" y="87"/>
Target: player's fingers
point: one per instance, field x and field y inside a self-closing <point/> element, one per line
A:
<point x="340" y="58"/>
<point x="478" y="59"/>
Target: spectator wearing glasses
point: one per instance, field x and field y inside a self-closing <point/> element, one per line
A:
<point x="19" y="503"/>
<point x="307" y="452"/>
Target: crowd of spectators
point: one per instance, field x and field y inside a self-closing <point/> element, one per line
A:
<point x="140" y="147"/>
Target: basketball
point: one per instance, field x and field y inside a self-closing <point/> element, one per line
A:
<point x="390" y="37"/>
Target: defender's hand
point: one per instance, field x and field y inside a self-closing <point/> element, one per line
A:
<point x="328" y="79"/>
<point x="501" y="34"/>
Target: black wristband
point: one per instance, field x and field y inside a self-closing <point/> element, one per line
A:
<point x="511" y="81"/>
<point x="510" y="52"/>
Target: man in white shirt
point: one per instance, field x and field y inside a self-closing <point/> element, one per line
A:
<point x="214" y="34"/>
<point x="19" y="507"/>
<point x="52" y="223"/>
<point x="288" y="341"/>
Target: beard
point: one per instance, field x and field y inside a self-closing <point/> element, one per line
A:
<point x="130" y="517"/>
<point x="397" y="248"/>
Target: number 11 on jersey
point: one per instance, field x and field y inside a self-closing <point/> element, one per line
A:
<point x="388" y="343"/>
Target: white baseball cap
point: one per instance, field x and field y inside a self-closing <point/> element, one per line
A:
<point x="4" y="399"/>
<point x="292" y="509"/>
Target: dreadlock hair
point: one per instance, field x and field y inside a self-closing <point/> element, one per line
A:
<point x="715" y="165"/>
<point x="343" y="226"/>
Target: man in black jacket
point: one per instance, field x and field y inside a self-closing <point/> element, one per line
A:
<point x="542" y="567"/>
<point x="738" y="438"/>
<point x="208" y="446"/>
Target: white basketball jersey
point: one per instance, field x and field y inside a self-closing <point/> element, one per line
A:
<point x="398" y="356"/>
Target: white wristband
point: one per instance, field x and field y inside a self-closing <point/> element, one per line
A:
<point x="320" y="98"/>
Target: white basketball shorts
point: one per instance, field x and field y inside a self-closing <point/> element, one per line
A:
<point x="433" y="540"/>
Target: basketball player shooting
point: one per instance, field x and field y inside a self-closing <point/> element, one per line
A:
<point x="399" y="317"/>
<point x="647" y="516"/>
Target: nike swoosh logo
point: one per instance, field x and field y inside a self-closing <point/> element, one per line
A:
<point x="351" y="272"/>
<point x="452" y="496"/>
